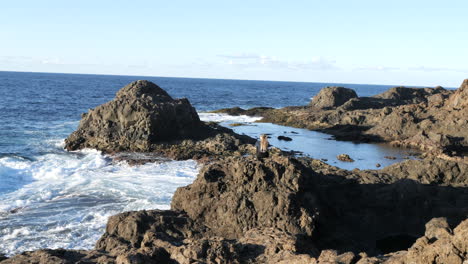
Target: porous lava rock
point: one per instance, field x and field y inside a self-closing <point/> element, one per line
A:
<point x="332" y="96"/>
<point x="238" y="194"/>
<point x="140" y="115"/>
<point x="144" y="118"/>
<point x="433" y="120"/>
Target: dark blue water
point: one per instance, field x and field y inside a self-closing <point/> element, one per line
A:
<point x="53" y="198"/>
<point x="38" y="106"/>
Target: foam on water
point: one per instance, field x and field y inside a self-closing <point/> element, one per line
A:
<point x="64" y="199"/>
<point x="220" y="117"/>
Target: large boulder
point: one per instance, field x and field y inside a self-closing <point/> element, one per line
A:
<point x="238" y="194"/>
<point x="140" y="115"/>
<point x="332" y="96"/>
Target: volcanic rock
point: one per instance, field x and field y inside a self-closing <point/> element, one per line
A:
<point x="433" y="120"/>
<point x="238" y="194"/>
<point x="344" y="157"/>
<point x="144" y="118"/>
<point x="140" y="115"/>
<point x="333" y="96"/>
<point x="406" y="95"/>
<point x="460" y="98"/>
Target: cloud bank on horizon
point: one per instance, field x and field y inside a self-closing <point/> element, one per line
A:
<point x="364" y="41"/>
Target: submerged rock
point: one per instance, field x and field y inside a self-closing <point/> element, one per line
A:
<point x="330" y="97"/>
<point x="284" y="138"/>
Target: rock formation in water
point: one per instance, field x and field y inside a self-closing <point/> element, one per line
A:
<point x="144" y="118"/>
<point x="433" y="120"/>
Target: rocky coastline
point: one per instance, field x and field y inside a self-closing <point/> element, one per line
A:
<point x="433" y="120"/>
<point x="286" y="209"/>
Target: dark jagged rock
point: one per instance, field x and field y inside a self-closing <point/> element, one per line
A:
<point x="405" y="95"/>
<point x="235" y="195"/>
<point x="140" y="115"/>
<point x="344" y="157"/>
<point x="178" y="239"/>
<point x="440" y="244"/>
<point x="433" y="120"/>
<point x="144" y="118"/>
<point x="286" y="210"/>
<point x="330" y="97"/>
<point x="284" y="138"/>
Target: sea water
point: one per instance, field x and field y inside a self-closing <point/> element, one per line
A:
<point x="57" y="199"/>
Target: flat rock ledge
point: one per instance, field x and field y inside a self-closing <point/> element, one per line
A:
<point x="433" y="120"/>
<point x="288" y="210"/>
<point x="145" y="118"/>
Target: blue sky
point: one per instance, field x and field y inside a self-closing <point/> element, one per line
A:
<point x="380" y="42"/>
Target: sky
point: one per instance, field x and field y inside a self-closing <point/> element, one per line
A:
<point x="422" y="43"/>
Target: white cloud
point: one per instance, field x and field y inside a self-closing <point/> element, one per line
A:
<point x="437" y="69"/>
<point x="250" y="60"/>
<point x="377" y="68"/>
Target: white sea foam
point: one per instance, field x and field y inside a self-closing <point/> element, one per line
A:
<point x="64" y="199"/>
<point x="221" y="117"/>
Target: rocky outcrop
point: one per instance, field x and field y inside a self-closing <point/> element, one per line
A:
<point x="440" y="244"/>
<point x="287" y="210"/>
<point x="433" y="120"/>
<point x="330" y="97"/>
<point x="239" y="194"/>
<point x="140" y="115"/>
<point x="144" y="118"/>
<point x="405" y="95"/>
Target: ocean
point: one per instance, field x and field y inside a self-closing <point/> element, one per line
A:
<point x="57" y="199"/>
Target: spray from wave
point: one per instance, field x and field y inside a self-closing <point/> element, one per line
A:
<point x="63" y="200"/>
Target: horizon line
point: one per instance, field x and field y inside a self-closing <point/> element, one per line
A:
<point x="229" y="79"/>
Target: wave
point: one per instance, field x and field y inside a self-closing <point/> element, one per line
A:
<point x="220" y="117"/>
<point x="64" y="199"/>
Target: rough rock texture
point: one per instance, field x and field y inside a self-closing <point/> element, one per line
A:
<point x="344" y="157"/>
<point x="287" y="210"/>
<point x="459" y="100"/>
<point x="440" y="244"/>
<point x="140" y="115"/>
<point x="144" y="118"/>
<point x="330" y="97"/>
<point x="239" y="194"/>
<point x="433" y="120"/>
<point x="341" y="209"/>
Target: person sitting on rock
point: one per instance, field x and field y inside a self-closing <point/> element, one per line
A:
<point x="262" y="147"/>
